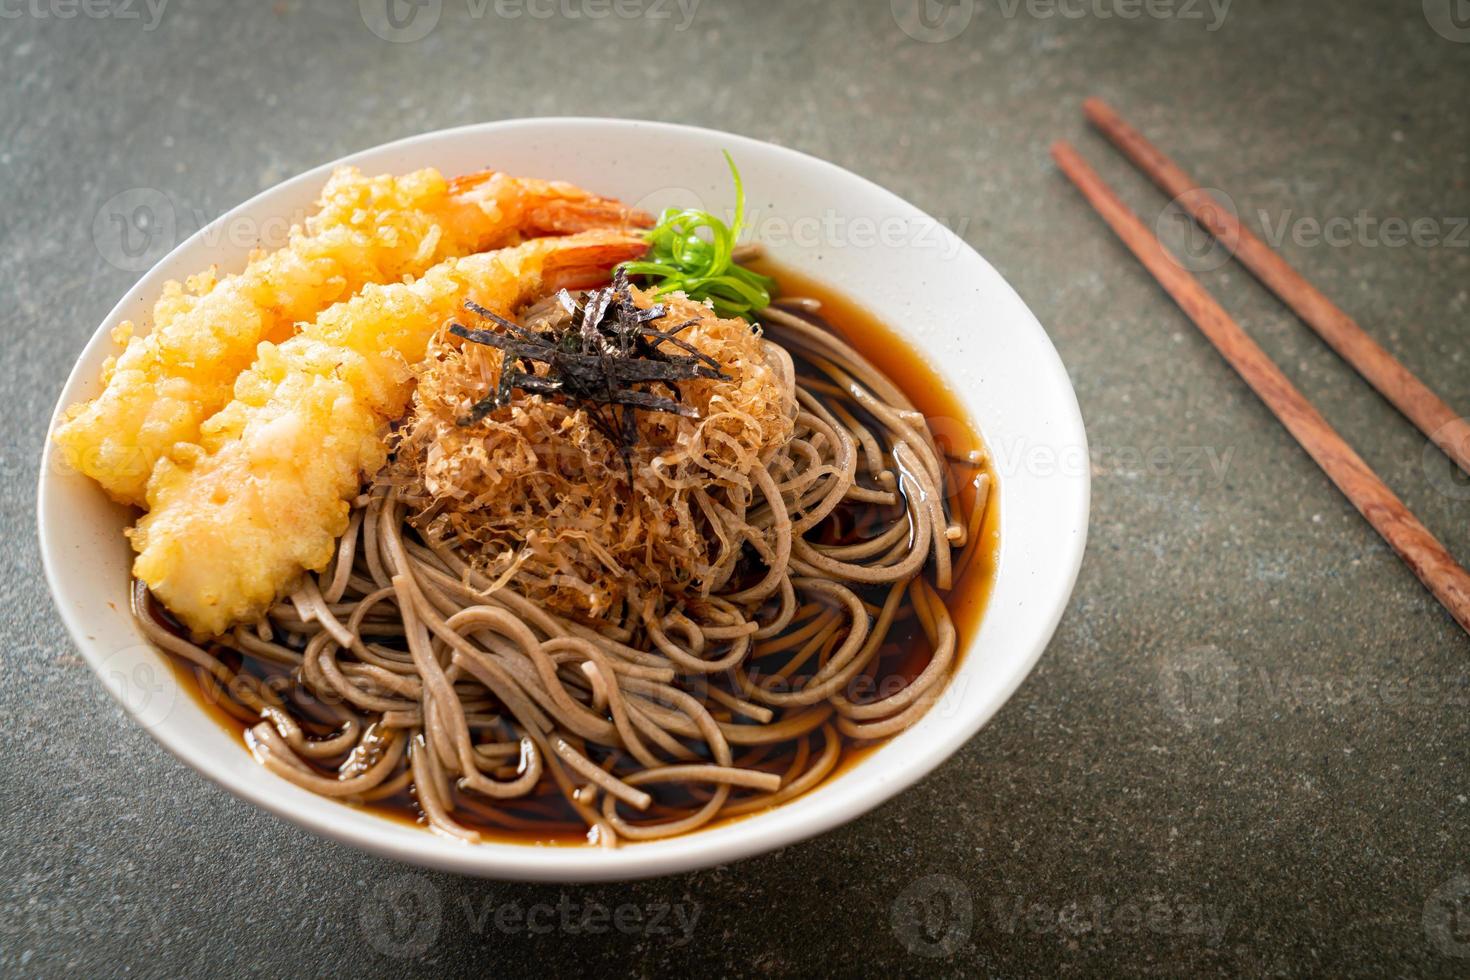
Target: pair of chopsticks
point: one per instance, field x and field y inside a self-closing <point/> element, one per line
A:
<point x="1418" y="548"/>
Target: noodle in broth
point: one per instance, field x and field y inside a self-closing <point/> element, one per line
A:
<point x="403" y="676"/>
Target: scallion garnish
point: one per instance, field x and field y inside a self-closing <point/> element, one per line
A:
<point x="693" y="251"/>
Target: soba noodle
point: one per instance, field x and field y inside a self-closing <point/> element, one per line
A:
<point x="405" y="666"/>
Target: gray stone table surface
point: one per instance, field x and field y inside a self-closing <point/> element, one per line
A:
<point x="1244" y="751"/>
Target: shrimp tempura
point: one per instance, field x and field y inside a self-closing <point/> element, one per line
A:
<point x="164" y="385"/>
<point x="234" y="520"/>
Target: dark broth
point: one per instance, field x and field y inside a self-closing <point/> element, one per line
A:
<point x="548" y="819"/>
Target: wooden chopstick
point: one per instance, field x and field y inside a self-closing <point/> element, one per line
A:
<point x="1444" y="427"/>
<point x="1419" y="549"/>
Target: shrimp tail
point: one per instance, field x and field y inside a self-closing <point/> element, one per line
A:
<point x="589" y="265"/>
<point x="541" y="207"/>
<point x="570" y="217"/>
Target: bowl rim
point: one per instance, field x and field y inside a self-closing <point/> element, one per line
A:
<point x="634" y="860"/>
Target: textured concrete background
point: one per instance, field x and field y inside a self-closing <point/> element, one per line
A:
<point x="1245" y="750"/>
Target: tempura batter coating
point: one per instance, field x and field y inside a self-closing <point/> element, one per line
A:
<point x="164" y="384"/>
<point x="234" y="520"/>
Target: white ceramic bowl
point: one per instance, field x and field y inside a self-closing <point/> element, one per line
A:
<point x="815" y="218"/>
